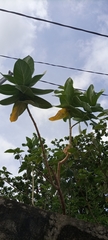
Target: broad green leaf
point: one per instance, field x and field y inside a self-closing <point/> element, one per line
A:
<point x="10" y="100"/>
<point x="86" y="107"/>
<point x="64" y="101"/>
<point x="36" y="78"/>
<point x="92" y="96"/>
<point x="22" y="72"/>
<point x="96" y="96"/>
<point x="38" y="91"/>
<point x="30" y="62"/>
<point x="25" y="90"/>
<point x="76" y="102"/>
<point x="58" y="92"/>
<point x="16" y="150"/>
<point x="69" y="90"/>
<point x="97" y="108"/>
<point x="9" y="78"/>
<point x="90" y="93"/>
<point x="8" y="89"/>
<point x="38" y="102"/>
<point x="104" y="112"/>
<point x="76" y="113"/>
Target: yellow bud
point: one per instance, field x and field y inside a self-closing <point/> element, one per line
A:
<point x="63" y="113"/>
<point x="17" y="110"/>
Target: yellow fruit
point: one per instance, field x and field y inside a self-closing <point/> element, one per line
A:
<point x="63" y="113"/>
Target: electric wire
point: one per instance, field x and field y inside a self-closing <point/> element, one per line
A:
<point x="2" y="80"/>
<point x="53" y="22"/>
<point x="59" y="66"/>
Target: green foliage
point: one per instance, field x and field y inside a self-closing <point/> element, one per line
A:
<point x="77" y="172"/>
<point x="20" y="87"/>
<point x="81" y="106"/>
<point x="83" y="177"/>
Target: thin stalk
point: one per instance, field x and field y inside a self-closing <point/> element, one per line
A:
<point x="32" y="187"/>
<point x="41" y="144"/>
<point x="60" y="194"/>
<point x="57" y="185"/>
<point x="70" y="132"/>
<point x="75" y="124"/>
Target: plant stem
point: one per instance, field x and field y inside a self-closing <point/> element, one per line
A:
<point x="57" y="185"/>
<point x="70" y="132"/>
<point x="32" y="187"/>
<point x="42" y="146"/>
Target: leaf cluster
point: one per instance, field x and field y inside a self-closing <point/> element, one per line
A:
<point x="21" y="85"/>
<point x="81" y="106"/>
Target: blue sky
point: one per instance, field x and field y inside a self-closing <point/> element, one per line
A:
<point x="20" y="37"/>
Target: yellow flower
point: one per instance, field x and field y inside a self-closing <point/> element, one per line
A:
<point x="63" y="113"/>
<point x="17" y="110"/>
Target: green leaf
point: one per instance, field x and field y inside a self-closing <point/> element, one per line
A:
<point x="16" y="150"/>
<point x="25" y="90"/>
<point x="9" y="78"/>
<point x="8" y="89"/>
<point x="90" y="93"/>
<point x="64" y="101"/>
<point x="76" y="102"/>
<point x="38" y="91"/>
<point x="92" y="96"/>
<point x="36" y="78"/>
<point x="38" y="102"/>
<point x="86" y="107"/>
<point x="97" y="108"/>
<point x="10" y="100"/>
<point x="104" y="112"/>
<point x="69" y="90"/>
<point x="75" y="112"/>
<point x="96" y="96"/>
<point x="29" y="60"/>
<point x="22" y="72"/>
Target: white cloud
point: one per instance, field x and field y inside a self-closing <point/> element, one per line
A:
<point x="93" y="53"/>
<point x="18" y="33"/>
<point x="42" y="115"/>
<point x="78" y="6"/>
<point x="6" y="159"/>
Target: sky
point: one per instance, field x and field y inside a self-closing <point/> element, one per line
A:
<point x="45" y="42"/>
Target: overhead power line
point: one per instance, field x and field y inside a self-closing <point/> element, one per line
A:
<point x="58" y="85"/>
<point x="2" y="80"/>
<point x="53" y="22"/>
<point x="59" y="66"/>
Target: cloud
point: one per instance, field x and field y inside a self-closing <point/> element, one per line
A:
<point x="6" y="159"/>
<point x="94" y="56"/>
<point x="18" y="33"/>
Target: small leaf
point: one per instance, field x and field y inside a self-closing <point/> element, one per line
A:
<point x="36" y="78"/>
<point x="29" y="60"/>
<point x="96" y="96"/>
<point x="16" y="150"/>
<point x="104" y="112"/>
<point x="22" y="72"/>
<point x="25" y="90"/>
<point x="69" y="90"/>
<point x="86" y="107"/>
<point x="10" y="100"/>
<point x="38" y="91"/>
<point x="38" y="102"/>
<point x="97" y="108"/>
<point x="9" y="78"/>
<point x="90" y="93"/>
<point x="8" y="89"/>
